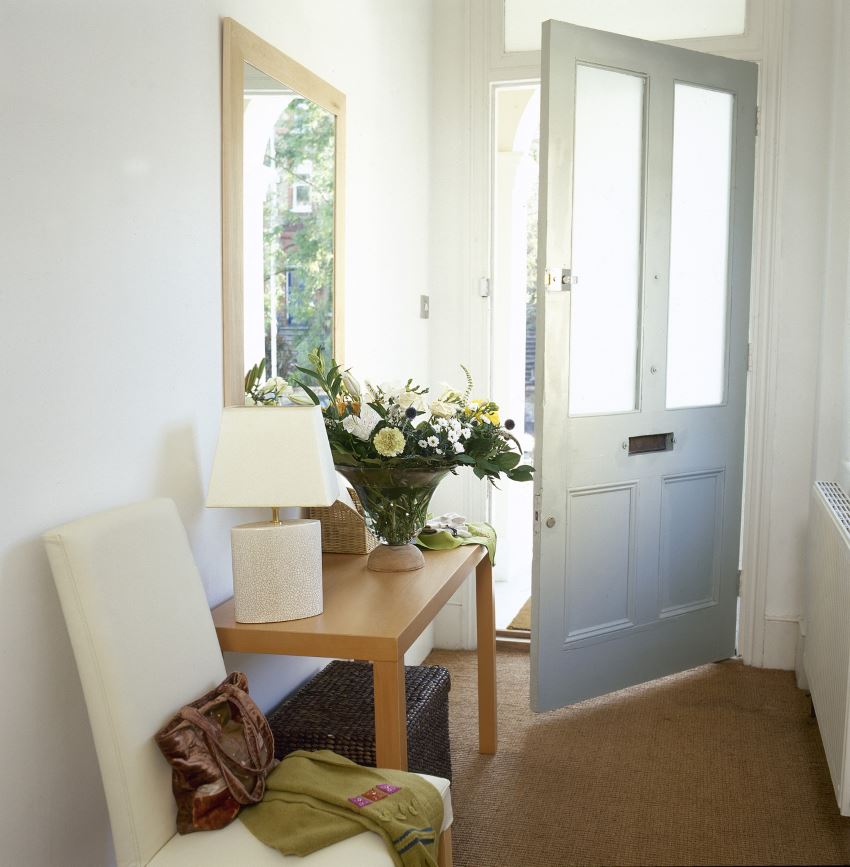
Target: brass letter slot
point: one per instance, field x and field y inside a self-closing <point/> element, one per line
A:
<point x="661" y="442"/>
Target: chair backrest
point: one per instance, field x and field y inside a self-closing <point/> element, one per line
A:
<point x="145" y="645"/>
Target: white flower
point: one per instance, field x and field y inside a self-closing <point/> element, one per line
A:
<point x="423" y="444"/>
<point x="453" y="436"/>
<point x="433" y="441"/>
<point x="407" y="399"/>
<point x="249" y="401"/>
<point x="392" y="389"/>
<point x="449" y="392"/>
<point x="466" y="433"/>
<point x="389" y="442"/>
<point x="274" y="384"/>
<point x="352" y="386"/>
<point x="438" y="451"/>
<point x="441" y="409"/>
<point x="361" y="426"/>
<point x="459" y="448"/>
<point x="298" y="396"/>
<point x="371" y="393"/>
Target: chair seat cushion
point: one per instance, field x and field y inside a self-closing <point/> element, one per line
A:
<point x="235" y="844"/>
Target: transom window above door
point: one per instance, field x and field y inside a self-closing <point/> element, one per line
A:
<point x="657" y="20"/>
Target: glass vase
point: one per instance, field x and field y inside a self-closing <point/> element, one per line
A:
<point x="396" y="502"/>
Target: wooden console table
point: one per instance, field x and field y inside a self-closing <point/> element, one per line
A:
<point x="377" y="616"/>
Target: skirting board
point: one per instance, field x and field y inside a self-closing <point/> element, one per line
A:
<point x="799" y="668"/>
<point x="420" y="648"/>
<point x="781" y="636"/>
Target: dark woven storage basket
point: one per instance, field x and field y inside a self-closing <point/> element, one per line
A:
<point x="336" y="711"/>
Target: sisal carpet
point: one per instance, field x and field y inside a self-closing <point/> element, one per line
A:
<point x="719" y="765"/>
<point x="523" y="617"/>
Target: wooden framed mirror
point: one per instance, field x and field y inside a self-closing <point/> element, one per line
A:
<point x="283" y="144"/>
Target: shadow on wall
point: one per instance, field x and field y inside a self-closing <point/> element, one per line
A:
<point x="46" y="746"/>
<point x="48" y="701"/>
<point x="179" y="476"/>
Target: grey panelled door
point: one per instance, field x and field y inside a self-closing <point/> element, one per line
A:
<point x="646" y="191"/>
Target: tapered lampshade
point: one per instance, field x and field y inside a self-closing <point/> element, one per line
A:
<point x="272" y="456"/>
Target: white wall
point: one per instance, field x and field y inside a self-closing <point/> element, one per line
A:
<point x="110" y="314"/>
<point x="833" y="444"/>
<point x="458" y="317"/>
<point x="805" y="126"/>
<point x="831" y="458"/>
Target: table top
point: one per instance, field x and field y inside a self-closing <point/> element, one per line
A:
<point x="367" y="615"/>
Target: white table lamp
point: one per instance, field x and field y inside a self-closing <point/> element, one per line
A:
<point x="274" y="456"/>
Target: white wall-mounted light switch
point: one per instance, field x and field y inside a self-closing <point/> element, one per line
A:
<point x="424" y="306"/>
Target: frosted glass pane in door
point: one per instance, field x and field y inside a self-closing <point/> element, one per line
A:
<point x="699" y="247"/>
<point x="606" y="248"/>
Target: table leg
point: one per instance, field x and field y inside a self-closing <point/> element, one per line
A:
<point x="486" y="611"/>
<point x="390" y="714"/>
<point x="444" y="850"/>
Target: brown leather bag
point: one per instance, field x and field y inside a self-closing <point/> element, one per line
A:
<point x="220" y="749"/>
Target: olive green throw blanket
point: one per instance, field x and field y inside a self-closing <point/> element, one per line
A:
<point x="315" y="799"/>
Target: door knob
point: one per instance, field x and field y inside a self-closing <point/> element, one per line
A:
<point x="550" y="522"/>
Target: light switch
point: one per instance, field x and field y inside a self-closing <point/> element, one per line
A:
<point x="424" y="306"/>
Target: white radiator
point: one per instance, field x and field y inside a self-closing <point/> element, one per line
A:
<point x="826" y="655"/>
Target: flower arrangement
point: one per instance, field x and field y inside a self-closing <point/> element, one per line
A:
<point x="395" y="443"/>
<point x="266" y="393"/>
<point x="400" y="426"/>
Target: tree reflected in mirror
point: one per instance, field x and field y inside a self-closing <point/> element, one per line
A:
<point x="298" y="214"/>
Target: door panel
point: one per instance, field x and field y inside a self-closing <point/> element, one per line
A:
<point x="691" y="523"/>
<point x="601" y="553"/>
<point x="646" y="196"/>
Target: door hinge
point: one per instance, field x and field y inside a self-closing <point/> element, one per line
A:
<point x="758" y="119"/>
<point x="484" y="287"/>
<point x="560" y="283"/>
<point x="749" y="357"/>
<point x="740" y="582"/>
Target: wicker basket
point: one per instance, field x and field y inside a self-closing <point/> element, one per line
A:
<point x="343" y="532"/>
<point x="336" y="711"/>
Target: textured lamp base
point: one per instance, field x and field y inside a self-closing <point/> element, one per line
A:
<point x="277" y="571"/>
<point x="395" y="558"/>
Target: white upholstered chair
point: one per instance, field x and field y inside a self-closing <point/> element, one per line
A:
<point x="144" y="642"/>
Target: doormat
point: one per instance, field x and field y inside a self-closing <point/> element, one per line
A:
<point x="523" y="618"/>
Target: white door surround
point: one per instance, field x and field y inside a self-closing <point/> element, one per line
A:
<point x="763" y="42"/>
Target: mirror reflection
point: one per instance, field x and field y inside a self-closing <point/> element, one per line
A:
<point x="288" y="224"/>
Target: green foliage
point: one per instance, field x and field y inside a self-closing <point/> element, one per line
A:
<point x="268" y="393"/>
<point x="253" y="376"/>
<point x="464" y="434"/>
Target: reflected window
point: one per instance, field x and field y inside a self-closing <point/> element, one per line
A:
<point x="288" y="218"/>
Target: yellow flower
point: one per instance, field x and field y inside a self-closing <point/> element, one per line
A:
<point x="389" y="442"/>
<point x="483" y="411"/>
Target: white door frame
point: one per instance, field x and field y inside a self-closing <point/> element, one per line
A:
<point x="762" y="42"/>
